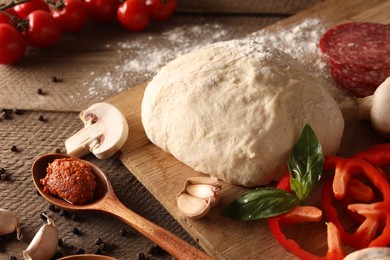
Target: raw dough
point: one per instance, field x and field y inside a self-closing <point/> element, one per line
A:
<point x="235" y="109"/>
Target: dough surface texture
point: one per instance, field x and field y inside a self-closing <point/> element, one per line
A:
<point x="235" y="109"/>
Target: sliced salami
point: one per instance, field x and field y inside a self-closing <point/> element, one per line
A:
<point x="359" y="54"/>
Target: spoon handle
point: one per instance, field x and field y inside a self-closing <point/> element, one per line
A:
<point x="165" y="239"/>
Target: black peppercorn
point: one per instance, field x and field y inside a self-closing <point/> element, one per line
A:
<point x="156" y="250"/>
<point x="43" y="216"/>
<point x="42" y="118"/>
<point x="13" y="258"/>
<point x="39" y="91"/>
<point x="60" y="242"/>
<point x="56" y="79"/>
<point x="98" y="241"/>
<point x="76" y="231"/>
<point x="80" y="251"/>
<point x="17" y="111"/>
<point x="3" y="176"/>
<point x="64" y="213"/>
<point x="123" y="232"/>
<point x="141" y="256"/>
<point x="14" y="148"/>
<point x="53" y="208"/>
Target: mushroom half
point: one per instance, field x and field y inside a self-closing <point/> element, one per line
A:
<point x="105" y="132"/>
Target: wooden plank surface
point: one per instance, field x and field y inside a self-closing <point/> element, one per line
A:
<point x="164" y="176"/>
<point x="249" y="6"/>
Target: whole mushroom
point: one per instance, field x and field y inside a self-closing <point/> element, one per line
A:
<point x="377" y="108"/>
<point x="105" y="132"/>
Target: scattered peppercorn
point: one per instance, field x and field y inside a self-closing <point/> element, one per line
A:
<point x="64" y="213"/>
<point x="17" y="111"/>
<point x="56" y="79"/>
<point x="42" y="118"/>
<point x="98" y="241"/>
<point x="14" y="148"/>
<point x="2" y="170"/>
<point x="3" y="176"/>
<point x="80" y="251"/>
<point x="5" y="113"/>
<point x="13" y="258"/>
<point x="57" y="150"/>
<point x="43" y="216"/>
<point x="141" y="256"/>
<point x="76" y="231"/>
<point x="123" y="232"/>
<point x="54" y="208"/>
<point x="40" y="91"/>
<point x="156" y="250"/>
<point x="60" y="242"/>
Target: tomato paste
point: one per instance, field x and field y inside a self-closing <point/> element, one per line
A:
<point x="71" y="179"/>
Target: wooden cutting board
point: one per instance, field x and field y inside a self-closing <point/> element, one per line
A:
<point x="164" y="176"/>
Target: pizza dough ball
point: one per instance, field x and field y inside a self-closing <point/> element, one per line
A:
<point x="235" y="110"/>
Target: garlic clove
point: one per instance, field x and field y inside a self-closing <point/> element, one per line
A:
<point x="204" y="191"/>
<point x="192" y="207"/>
<point x="9" y="223"/>
<point x="44" y="244"/>
<point x="203" y="180"/>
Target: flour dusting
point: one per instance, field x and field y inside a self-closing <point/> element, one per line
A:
<point x="147" y="59"/>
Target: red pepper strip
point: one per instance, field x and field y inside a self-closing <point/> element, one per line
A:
<point x="303" y="214"/>
<point x="364" y="235"/>
<point x="359" y="191"/>
<point x="377" y="155"/>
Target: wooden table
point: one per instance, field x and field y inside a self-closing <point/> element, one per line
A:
<point x="98" y="63"/>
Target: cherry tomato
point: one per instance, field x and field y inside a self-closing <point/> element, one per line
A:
<point x="72" y="17"/>
<point x="102" y="11"/>
<point x="24" y="9"/>
<point x="42" y="31"/>
<point x="6" y="18"/>
<point x="12" y="44"/>
<point x="133" y="15"/>
<point x="161" y="9"/>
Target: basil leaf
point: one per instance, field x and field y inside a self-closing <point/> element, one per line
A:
<point x="261" y="203"/>
<point x="305" y="164"/>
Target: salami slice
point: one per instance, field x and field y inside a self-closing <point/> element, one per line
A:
<point x="359" y="54"/>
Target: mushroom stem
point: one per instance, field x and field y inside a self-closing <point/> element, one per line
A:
<point x="79" y="144"/>
<point x="364" y="107"/>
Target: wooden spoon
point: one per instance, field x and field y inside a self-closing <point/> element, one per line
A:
<point x="106" y="201"/>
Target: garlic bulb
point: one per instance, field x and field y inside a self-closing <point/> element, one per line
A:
<point x="9" y="223"/>
<point x="199" y="195"/>
<point x="44" y="244"/>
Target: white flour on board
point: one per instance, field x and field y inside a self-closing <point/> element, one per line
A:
<point x="299" y="40"/>
<point x="145" y="62"/>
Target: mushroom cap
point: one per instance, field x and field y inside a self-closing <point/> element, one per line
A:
<point x="114" y="126"/>
<point x="380" y="110"/>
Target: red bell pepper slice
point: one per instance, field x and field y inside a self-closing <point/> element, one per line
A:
<point x="299" y="215"/>
<point x="375" y="213"/>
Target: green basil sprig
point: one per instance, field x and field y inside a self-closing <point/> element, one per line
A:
<point x="305" y="166"/>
